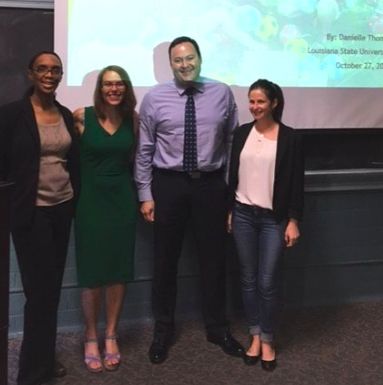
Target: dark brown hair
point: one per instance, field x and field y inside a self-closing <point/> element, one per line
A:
<point x="32" y="62"/>
<point x="273" y="92"/>
<point x="37" y="55"/>
<point x="129" y="102"/>
<point x="184" y="39"/>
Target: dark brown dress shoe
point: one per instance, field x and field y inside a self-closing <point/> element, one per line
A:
<point x="158" y="351"/>
<point x="228" y="344"/>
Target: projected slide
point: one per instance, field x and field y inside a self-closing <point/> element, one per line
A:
<point x="296" y="43"/>
<point x="326" y="54"/>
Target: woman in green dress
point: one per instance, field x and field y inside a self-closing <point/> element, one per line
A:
<point x="106" y="212"/>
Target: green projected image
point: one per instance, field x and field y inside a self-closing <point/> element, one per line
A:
<point x="297" y="43"/>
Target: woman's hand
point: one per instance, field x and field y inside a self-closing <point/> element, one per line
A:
<point x="291" y="233"/>
<point x="228" y="222"/>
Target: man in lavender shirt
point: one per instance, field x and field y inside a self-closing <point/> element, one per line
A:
<point x="172" y="197"/>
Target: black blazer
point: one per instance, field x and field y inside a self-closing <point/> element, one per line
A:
<point x="289" y="171"/>
<point x="20" y="156"/>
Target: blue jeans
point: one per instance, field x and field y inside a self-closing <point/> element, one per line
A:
<point x="259" y="239"/>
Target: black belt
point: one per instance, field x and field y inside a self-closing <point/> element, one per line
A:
<point x="259" y="209"/>
<point x="192" y="174"/>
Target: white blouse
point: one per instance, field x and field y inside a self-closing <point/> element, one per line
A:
<point x="256" y="171"/>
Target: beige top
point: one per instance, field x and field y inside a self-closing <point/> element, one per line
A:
<point x="54" y="185"/>
<point x="256" y="171"/>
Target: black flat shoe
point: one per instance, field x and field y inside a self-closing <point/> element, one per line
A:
<point x="269" y="366"/>
<point x="228" y="344"/>
<point x="250" y="360"/>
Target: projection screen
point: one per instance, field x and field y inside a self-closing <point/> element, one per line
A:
<point x="327" y="55"/>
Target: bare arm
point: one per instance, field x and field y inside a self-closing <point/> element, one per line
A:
<point x="79" y="117"/>
<point x="229" y="227"/>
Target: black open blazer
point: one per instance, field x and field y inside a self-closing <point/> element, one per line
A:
<point x="289" y="171"/>
<point x="20" y="156"/>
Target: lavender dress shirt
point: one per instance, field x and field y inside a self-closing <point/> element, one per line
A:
<point x="161" y="136"/>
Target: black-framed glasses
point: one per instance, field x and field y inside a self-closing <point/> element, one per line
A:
<point x="120" y="85"/>
<point x="43" y="70"/>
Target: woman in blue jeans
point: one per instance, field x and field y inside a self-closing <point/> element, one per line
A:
<point x="266" y="203"/>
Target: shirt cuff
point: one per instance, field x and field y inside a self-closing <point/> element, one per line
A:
<point x="145" y="195"/>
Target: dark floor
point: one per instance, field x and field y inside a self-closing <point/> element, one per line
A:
<point x="316" y="346"/>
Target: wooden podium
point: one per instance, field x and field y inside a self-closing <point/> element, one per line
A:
<point x="5" y="190"/>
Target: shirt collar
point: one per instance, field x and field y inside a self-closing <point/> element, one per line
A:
<point x="199" y="86"/>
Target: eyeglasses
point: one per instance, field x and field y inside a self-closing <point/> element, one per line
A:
<point x="120" y="85"/>
<point x="43" y="70"/>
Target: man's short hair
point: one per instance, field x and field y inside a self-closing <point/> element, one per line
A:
<point x="184" y="39"/>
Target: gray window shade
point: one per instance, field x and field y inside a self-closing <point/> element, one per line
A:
<point x="47" y="4"/>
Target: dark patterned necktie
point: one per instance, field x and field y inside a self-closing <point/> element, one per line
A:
<point x="190" y="141"/>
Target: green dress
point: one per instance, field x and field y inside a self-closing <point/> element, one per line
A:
<point x="106" y="212"/>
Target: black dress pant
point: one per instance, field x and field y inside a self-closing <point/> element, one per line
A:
<point x="41" y="250"/>
<point x="180" y="199"/>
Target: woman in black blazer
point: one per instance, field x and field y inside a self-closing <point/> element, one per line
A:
<point x="39" y="154"/>
<point x="266" y="204"/>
